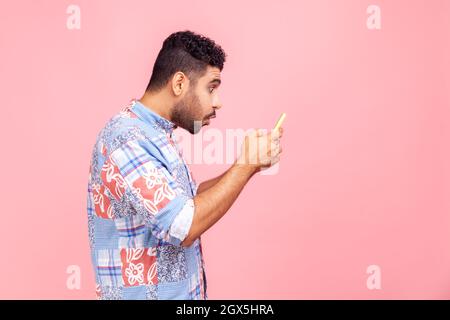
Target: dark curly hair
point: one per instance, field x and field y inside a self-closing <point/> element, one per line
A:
<point x="187" y="52"/>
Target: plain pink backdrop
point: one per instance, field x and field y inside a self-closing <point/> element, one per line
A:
<point x="365" y="173"/>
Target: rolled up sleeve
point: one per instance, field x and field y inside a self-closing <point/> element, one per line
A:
<point x="152" y="191"/>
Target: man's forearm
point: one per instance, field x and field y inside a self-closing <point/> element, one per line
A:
<point x="205" y="185"/>
<point x="211" y="204"/>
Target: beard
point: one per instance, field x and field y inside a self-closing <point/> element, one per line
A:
<point x="186" y="113"/>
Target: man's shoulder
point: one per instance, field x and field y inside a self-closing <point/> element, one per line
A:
<point x="122" y="128"/>
<point x="116" y="134"/>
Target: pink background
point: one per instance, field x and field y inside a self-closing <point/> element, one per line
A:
<point x="365" y="173"/>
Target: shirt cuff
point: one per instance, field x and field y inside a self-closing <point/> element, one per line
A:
<point x="183" y="221"/>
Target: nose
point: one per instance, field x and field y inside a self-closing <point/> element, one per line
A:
<point x="217" y="104"/>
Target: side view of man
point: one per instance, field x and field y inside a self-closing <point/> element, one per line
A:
<point x="146" y="214"/>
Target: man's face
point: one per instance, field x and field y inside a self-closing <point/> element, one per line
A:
<point x="200" y="102"/>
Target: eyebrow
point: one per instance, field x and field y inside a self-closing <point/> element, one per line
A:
<point x="216" y="80"/>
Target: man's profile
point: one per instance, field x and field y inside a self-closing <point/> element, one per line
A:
<point x="146" y="214"/>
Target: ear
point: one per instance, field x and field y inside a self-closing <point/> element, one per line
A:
<point x="179" y="83"/>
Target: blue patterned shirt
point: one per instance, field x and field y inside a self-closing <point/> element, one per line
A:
<point x="140" y="208"/>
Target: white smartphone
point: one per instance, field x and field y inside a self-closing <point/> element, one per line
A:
<point x="280" y="121"/>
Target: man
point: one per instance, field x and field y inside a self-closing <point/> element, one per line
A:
<point x="145" y="212"/>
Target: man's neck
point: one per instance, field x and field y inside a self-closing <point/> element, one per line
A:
<point x="158" y="102"/>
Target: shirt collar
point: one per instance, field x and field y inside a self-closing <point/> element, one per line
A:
<point x="152" y="118"/>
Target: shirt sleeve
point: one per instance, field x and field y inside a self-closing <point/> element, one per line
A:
<point x="152" y="191"/>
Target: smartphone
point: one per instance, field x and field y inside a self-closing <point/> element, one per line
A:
<point x="280" y="121"/>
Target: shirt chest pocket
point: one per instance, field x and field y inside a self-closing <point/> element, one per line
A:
<point x="182" y="179"/>
<point x="180" y="170"/>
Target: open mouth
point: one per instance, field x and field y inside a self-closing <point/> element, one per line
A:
<point x="208" y="119"/>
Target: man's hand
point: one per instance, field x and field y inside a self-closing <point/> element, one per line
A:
<point x="261" y="150"/>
